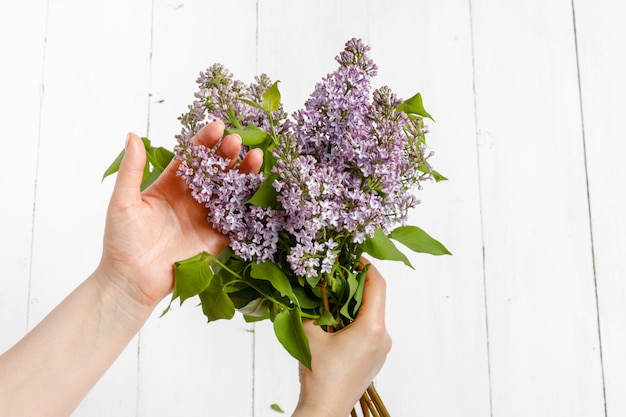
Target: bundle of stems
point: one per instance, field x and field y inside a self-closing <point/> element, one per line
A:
<point x="371" y="404"/>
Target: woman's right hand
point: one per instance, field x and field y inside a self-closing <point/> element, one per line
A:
<point x="345" y="362"/>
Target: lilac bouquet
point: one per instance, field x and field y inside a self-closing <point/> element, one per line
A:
<point x="338" y="180"/>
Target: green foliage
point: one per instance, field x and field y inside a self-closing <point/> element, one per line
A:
<point x="381" y="247"/>
<point x="303" y="299"/>
<point x="266" y="195"/>
<point x="289" y="331"/>
<point x="356" y="282"/>
<point x="193" y="276"/>
<point x="250" y="135"/>
<point x="216" y="304"/>
<point x="438" y="177"/>
<point x="271" y="99"/>
<point x="327" y="319"/>
<point x="115" y="165"/>
<point x="414" y="105"/>
<point x="157" y="159"/>
<point x="418" y="240"/>
<point x="425" y="168"/>
<point x="271" y="272"/>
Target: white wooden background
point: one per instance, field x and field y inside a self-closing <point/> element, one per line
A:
<point x="528" y="318"/>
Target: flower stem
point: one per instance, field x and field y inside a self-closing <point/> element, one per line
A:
<point x="372" y="405"/>
<point x="329" y="329"/>
<point x="364" y="406"/>
<point x="377" y="401"/>
<point x="325" y="297"/>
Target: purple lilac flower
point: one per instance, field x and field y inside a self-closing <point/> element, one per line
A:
<point x="355" y="54"/>
<point x="253" y="230"/>
<point x="345" y="167"/>
<point x="220" y="97"/>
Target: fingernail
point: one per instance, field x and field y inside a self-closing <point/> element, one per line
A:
<point x="127" y="140"/>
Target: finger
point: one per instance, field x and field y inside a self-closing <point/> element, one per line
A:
<point x="130" y="174"/>
<point x="252" y="162"/>
<point x="210" y="134"/>
<point x="230" y="149"/>
<point x="374" y="296"/>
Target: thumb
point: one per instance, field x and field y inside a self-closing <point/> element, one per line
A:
<point x="130" y="174"/>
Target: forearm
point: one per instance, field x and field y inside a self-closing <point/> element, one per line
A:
<point x="54" y="366"/>
<point x="333" y="401"/>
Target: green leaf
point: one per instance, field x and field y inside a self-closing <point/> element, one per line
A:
<point x="437" y="176"/>
<point x="290" y="333"/>
<point x="353" y="285"/>
<point x="159" y="157"/>
<point x="326" y="319"/>
<point x="192" y="276"/>
<point x="418" y="240"/>
<point x="228" y="266"/>
<point x="157" y="160"/>
<point x="381" y="247"/>
<point x="251" y="103"/>
<point x="215" y="302"/>
<point x="271" y="98"/>
<point x="256" y="308"/>
<point x="146" y="143"/>
<point x="425" y="168"/>
<point x="269" y="271"/>
<point x="150" y="178"/>
<point x="414" y="105"/>
<point x="251" y="135"/>
<point x="222" y="258"/>
<point x="242" y="297"/>
<point x="269" y="160"/>
<point x="254" y="319"/>
<point x="266" y="195"/>
<point x="115" y="165"/>
<point x="306" y="301"/>
<point x="276" y="407"/>
<point x="358" y="296"/>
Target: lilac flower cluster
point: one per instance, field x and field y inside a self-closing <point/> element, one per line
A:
<point x="220" y="97"/>
<point x="253" y="230"/>
<point x="346" y="166"/>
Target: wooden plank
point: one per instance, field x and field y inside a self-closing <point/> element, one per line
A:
<point x="20" y="87"/>
<point x="95" y="91"/>
<point x="601" y="43"/>
<point x="189" y="367"/>
<point x="436" y="314"/>
<point x="542" y="318"/>
<point x="440" y="358"/>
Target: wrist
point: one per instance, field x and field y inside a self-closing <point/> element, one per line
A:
<point x="310" y="410"/>
<point x="319" y="408"/>
<point x="125" y="301"/>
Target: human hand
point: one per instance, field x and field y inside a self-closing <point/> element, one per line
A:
<point x="146" y="232"/>
<point x="344" y="363"/>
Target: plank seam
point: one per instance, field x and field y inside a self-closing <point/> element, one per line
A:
<point x="480" y="202"/>
<point x="150" y="69"/>
<point x="38" y="153"/>
<point x="589" y="210"/>
<point x="138" y="403"/>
